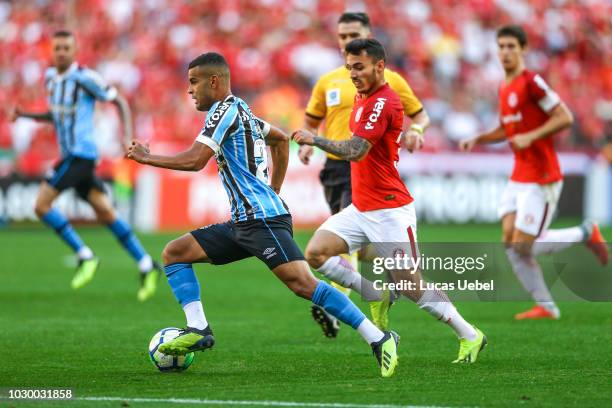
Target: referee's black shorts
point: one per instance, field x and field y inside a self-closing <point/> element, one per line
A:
<point x="336" y="180"/>
<point x="269" y="239"/>
<point x="75" y="172"/>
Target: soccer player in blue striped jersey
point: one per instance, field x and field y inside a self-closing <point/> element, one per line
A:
<point x="72" y="94"/>
<point x="261" y="225"/>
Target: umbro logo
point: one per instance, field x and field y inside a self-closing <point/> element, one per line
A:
<point x="269" y="252"/>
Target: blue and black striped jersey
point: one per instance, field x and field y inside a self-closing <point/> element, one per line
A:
<point x="72" y="97"/>
<point x="237" y="138"/>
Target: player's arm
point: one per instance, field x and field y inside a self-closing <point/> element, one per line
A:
<point x="413" y="108"/>
<point x="40" y="116"/>
<point x="101" y="91"/>
<point x="126" y="118"/>
<point x="279" y="152"/>
<point x="354" y="149"/>
<point x="559" y="118"/>
<point x="496" y="135"/>
<point x="193" y="159"/>
<point x="311" y="124"/>
<point x="415" y="137"/>
<point x="313" y="117"/>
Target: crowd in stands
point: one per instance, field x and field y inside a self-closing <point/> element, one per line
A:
<point x="278" y="48"/>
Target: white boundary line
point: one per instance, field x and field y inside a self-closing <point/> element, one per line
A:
<point x="247" y="403"/>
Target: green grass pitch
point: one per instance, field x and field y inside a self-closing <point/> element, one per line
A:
<point x="94" y="341"/>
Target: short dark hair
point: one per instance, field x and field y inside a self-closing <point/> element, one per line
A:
<point x="210" y="58"/>
<point x="350" y="17"/>
<point x="371" y="46"/>
<point x="62" y="34"/>
<point x="515" y="31"/>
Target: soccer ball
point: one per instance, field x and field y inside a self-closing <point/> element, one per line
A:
<point x="166" y="362"/>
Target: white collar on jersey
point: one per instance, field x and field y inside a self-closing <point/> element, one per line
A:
<point x="73" y="67"/>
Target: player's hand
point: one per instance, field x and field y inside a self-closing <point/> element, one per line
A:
<point x="522" y="141"/>
<point x="414" y="140"/>
<point x="138" y="152"/>
<point x="304" y="153"/>
<point x="303" y="137"/>
<point x="276" y="189"/>
<point x="467" y="145"/>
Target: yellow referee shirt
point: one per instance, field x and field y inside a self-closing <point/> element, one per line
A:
<point x="334" y="94"/>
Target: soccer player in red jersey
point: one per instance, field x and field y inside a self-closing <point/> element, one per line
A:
<point x="382" y="209"/>
<point x="531" y="113"/>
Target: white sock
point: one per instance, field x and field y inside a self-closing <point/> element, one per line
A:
<point x="194" y="312"/>
<point x="370" y="332"/>
<point x="557" y="240"/>
<point x="85" y="253"/>
<point x="529" y="273"/>
<point x="145" y="264"/>
<point x="341" y="271"/>
<point x="437" y="304"/>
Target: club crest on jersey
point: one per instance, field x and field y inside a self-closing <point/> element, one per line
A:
<point x="358" y="114"/>
<point x="512" y="99"/>
<point x="378" y="107"/>
<point x="332" y="97"/>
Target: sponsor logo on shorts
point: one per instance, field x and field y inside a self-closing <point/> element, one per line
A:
<point x="269" y="252"/>
<point x="529" y="219"/>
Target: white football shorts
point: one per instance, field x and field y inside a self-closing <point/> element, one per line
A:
<point x="391" y="230"/>
<point x="534" y="205"/>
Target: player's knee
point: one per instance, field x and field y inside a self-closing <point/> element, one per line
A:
<point x="522" y="248"/>
<point x="105" y="215"/>
<point x="41" y="208"/>
<point x="315" y="256"/>
<point x="172" y="253"/>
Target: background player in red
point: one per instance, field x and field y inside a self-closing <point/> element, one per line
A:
<point x="382" y="212"/>
<point x="531" y="113"/>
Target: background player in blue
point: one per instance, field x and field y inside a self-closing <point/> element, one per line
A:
<point x="261" y="224"/>
<point x="73" y="91"/>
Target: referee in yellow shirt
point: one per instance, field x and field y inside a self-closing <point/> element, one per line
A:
<point x="331" y="102"/>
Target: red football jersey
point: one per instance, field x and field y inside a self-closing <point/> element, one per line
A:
<point x="524" y="105"/>
<point x="375" y="181"/>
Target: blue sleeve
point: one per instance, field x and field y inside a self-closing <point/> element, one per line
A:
<point x="220" y="123"/>
<point x="95" y="85"/>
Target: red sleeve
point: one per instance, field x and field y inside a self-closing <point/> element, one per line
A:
<point x="374" y="120"/>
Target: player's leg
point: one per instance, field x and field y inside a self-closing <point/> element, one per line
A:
<point x="212" y="244"/>
<point x="179" y="256"/>
<point x="65" y="175"/>
<point x="555" y="240"/>
<point x="395" y="230"/>
<point x="533" y="215"/>
<point x="287" y="263"/>
<point x="328" y="323"/>
<point x="338" y="197"/>
<point x="340" y="234"/>
<point x="297" y="277"/>
<point x="54" y="219"/>
<point x="93" y="192"/>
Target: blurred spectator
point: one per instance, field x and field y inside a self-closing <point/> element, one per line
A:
<point x="277" y="49"/>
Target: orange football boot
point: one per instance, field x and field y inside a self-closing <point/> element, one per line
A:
<point x="598" y="245"/>
<point x="536" y="312"/>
